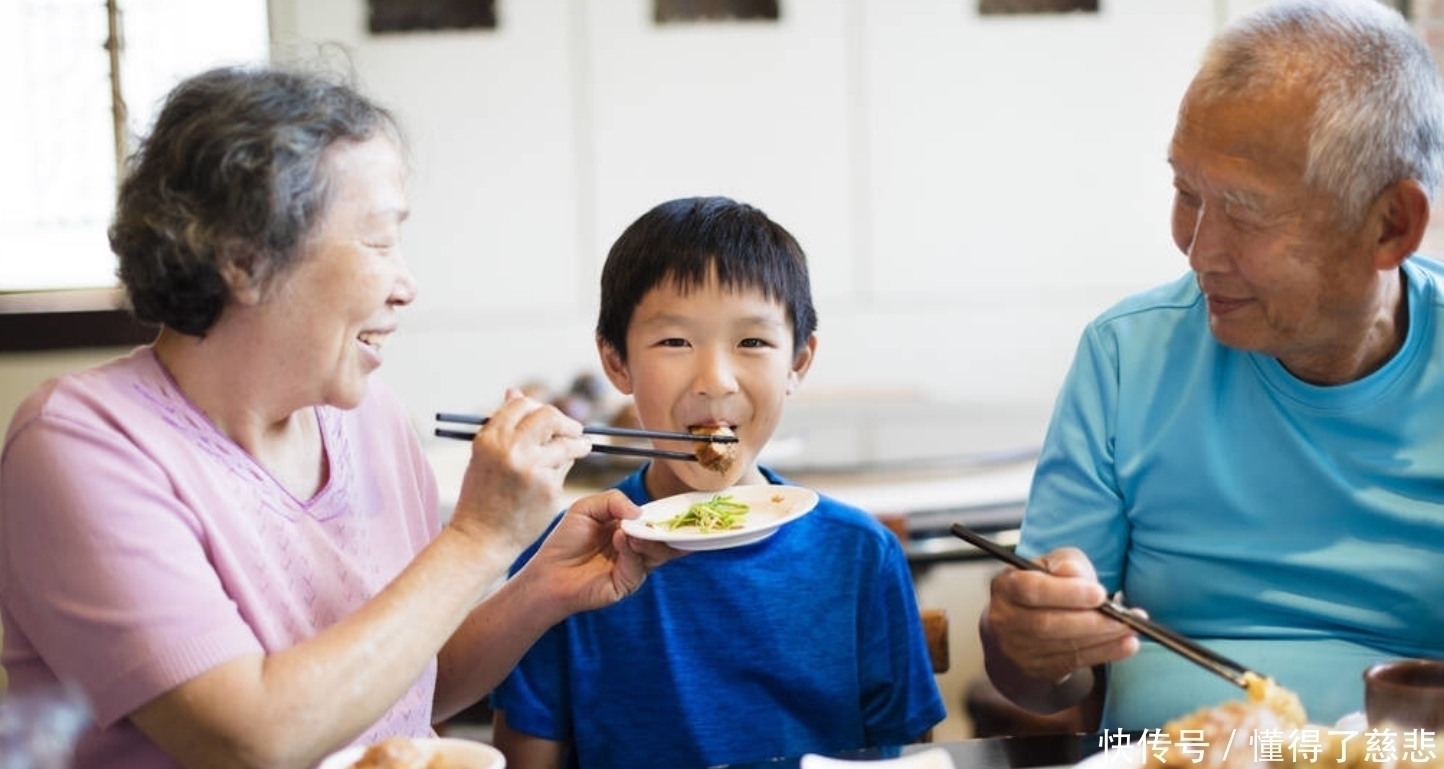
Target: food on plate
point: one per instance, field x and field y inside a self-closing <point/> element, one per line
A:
<point x="403" y="753"/>
<point x="1270" y="730"/>
<point x="718" y="514"/>
<point x="717" y="457"/>
<point x="1216" y="737"/>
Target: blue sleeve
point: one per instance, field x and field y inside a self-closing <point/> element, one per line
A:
<point x="900" y="698"/>
<point x="1075" y="499"/>
<point x="532" y="694"/>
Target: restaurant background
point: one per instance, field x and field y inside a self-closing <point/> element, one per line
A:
<point x="970" y="191"/>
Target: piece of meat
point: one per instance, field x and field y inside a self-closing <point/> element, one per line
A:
<point x="717" y="457"/>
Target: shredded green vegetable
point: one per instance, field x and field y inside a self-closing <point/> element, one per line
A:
<point x="720" y="513"/>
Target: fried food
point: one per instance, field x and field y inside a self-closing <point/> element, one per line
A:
<point x="392" y="753"/>
<point x="717" y="457"/>
<point x="1268" y="730"/>
<point x="402" y="753"/>
<point x="1266" y="692"/>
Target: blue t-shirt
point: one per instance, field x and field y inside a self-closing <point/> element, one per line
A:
<point x="1295" y="528"/>
<point x="808" y="641"/>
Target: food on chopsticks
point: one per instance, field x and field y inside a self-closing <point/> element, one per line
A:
<point x="720" y="513"/>
<point x="717" y="457"/>
<point x="403" y="753"/>
<point x="1265" y="691"/>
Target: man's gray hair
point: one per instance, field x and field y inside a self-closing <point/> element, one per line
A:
<point x="1380" y="110"/>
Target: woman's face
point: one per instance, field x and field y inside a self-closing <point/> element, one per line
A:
<point x="336" y="309"/>
<point x="711" y="357"/>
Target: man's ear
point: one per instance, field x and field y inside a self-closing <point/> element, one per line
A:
<point x="801" y="362"/>
<point x="1402" y="212"/>
<point x="614" y="366"/>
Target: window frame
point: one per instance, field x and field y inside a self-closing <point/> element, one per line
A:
<point x="42" y="320"/>
<point x="70" y="319"/>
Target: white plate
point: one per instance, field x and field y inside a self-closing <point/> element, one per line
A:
<point x="770" y="507"/>
<point x="931" y="758"/>
<point x="460" y="754"/>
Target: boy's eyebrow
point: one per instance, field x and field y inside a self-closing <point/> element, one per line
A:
<point x="754" y="320"/>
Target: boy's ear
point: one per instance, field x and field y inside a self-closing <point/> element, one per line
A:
<point x="614" y="366"/>
<point x="801" y="362"/>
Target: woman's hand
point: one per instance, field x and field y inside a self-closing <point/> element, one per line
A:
<point x="513" y="485"/>
<point x="588" y="562"/>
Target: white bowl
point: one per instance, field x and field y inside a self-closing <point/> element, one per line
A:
<point x="460" y="754"/>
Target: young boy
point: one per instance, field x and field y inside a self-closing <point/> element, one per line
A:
<point x="807" y="641"/>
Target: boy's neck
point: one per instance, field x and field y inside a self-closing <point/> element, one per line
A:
<point x="660" y="482"/>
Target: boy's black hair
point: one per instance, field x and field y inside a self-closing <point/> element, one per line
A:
<point x="682" y="241"/>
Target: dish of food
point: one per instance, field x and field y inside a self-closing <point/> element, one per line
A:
<point x="409" y="753"/>
<point x="1268" y="730"/>
<point x="717" y="457"/>
<point x="768" y="508"/>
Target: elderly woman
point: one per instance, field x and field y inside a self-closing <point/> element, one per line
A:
<point x="230" y="538"/>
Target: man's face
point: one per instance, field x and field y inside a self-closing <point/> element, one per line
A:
<point x="1282" y="274"/>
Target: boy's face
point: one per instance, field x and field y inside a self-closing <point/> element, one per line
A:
<point x="709" y="358"/>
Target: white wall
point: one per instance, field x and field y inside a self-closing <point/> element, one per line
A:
<point x="969" y="190"/>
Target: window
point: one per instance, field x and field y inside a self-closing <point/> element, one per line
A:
<point x="671" y="11"/>
<point x="416" y="15"/>
<point x="1009" y="7"/>
<point x="61" y="143"/>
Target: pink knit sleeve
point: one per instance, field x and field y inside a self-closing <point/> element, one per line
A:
<point x="104" y="567"/>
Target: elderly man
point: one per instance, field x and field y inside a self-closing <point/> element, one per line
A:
<point x="1254" y="454"/>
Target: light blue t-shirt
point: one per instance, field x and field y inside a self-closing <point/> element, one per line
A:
<point x="1295" y="528"/>
<point x="806" y="642"/>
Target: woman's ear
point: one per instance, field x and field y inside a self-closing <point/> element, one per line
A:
<point x="615" y="366"/>
<point x="801" y="362"/>
<point x="238" y="271"/>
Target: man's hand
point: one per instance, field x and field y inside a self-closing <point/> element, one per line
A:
<point x="1046" y="623"/>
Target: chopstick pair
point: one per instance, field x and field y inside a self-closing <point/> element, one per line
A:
<point x="1215" y="663"/>
<point x="600" y="448"/>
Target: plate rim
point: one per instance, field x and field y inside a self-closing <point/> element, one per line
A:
<point x="633" y="526"/>
<point x="345" y="757"/>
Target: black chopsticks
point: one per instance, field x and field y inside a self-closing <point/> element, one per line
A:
<point x="1236" y="674"/>
<point x="600" y="448"/>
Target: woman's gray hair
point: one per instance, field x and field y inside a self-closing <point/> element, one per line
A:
<point x="1380" y="109"/>
<point x="234" y="172"/>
